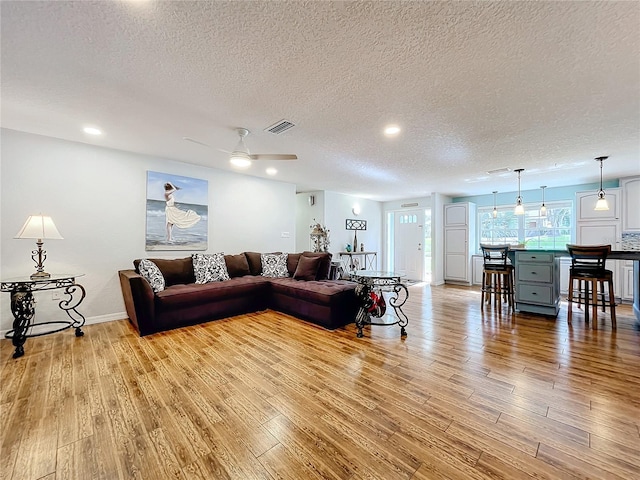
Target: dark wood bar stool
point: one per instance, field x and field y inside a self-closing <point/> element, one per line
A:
<point x="588" y="269"/>
<point x="497" y="276"/>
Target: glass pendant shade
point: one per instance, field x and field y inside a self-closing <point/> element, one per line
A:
<point x="602" y="203"/>
<point x="519" y="210"/>
<point x="543" y="208"/>
<point x="495" y="208"/>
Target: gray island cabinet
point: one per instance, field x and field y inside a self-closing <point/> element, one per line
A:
<point x="538" y="279"/>
<point x="537" y="282"/>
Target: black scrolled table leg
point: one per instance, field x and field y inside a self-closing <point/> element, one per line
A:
<point x="76" y="294"/>
<point x="23" y="309"/>
<point x="363" y="291"/>
<point x="397" y="299"/>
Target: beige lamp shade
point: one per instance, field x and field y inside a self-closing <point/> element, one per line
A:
<point x="39" y="227"/>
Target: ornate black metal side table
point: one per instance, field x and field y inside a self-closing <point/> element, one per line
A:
<point x="376" y="282"/>
<point x="23" y="307"/>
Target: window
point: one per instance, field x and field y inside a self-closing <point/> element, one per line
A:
<point x="550" y="232"/>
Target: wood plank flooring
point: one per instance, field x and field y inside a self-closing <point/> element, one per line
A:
<point x="467" y="394"/>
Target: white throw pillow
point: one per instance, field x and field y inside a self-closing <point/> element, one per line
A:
<point x="151" y="274"/>
<point x="209" y="267"/>
<point x="274" y="265"/>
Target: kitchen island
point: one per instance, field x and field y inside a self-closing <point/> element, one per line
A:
<point x="538" y="279"/>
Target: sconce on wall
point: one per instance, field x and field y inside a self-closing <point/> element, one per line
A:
<point x="602" y="203"/>
<point x="312" y="200"/>
<point x="356" y="209"/>
<point x="519" y="207"/>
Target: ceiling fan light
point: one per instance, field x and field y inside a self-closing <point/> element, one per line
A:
<point x="240" y="159"/>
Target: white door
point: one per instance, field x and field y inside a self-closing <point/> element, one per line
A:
<point x="408" y="240"/>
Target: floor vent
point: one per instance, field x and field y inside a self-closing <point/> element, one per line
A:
<point x="280" y="127"/>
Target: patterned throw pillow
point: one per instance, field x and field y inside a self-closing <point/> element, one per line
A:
<point x="151" y="274"/>
<point x="209" y="267"/>
<point x="274" y="265"/>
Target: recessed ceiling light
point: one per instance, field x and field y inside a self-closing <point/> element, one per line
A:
<point x="271" y="171"/>
<point x="391" y="130"/>
<point x="92" y="131"/>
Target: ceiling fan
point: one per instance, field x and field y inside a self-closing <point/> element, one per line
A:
<point x="241" y="157"/>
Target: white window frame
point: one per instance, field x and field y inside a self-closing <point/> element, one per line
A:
<point x="522" y="233"/>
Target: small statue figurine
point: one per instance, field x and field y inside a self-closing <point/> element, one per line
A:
<point x="362" y="247"/>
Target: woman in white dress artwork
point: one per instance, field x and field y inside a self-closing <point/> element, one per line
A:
<point x="175" y="216"/>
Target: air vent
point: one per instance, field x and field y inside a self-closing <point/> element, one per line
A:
<point x="406" y="205"/>
<point x="279" y="127"/>
<point x="499" y="170"/>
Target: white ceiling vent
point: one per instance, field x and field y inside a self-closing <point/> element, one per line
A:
<point x="279" y="127"/>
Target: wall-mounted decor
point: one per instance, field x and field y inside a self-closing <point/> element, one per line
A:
<point x="355" y="224"/>
<point x="177" y="212"/>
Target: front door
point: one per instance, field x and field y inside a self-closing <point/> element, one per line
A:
<point x="408" y="240"/>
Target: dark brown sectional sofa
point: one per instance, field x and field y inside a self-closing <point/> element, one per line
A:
<point x="328" y="303"/>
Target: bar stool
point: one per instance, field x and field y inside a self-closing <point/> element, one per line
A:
<point x="588" y="268"/>
<point x="497" y="276"/>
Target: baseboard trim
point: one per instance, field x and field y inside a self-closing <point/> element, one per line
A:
<point x="91" y="320"/>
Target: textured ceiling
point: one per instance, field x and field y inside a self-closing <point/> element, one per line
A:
<point x="545" y="86"/>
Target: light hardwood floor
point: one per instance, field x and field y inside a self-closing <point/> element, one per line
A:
<point x="465" y="395"/>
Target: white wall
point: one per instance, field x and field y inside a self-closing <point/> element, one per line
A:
<point x="306" y="215"/>
<point x="96" y="197"/>
<point x="437" y="237"/>
<point x="332" y="209"/>
<point x="338" y="208"/>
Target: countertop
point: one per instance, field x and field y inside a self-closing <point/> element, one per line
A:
<point x="614" y="255"/>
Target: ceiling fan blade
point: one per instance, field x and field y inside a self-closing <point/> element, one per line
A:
<point x="193" y="140"/>
<point x="273" y="156"/>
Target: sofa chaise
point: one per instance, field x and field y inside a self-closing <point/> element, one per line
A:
<point x="302" y="290"/>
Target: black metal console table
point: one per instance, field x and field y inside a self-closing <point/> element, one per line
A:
<point x="373" y="281"/>
<point x="23" y="307"/>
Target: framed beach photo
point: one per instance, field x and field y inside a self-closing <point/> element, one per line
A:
<point x="177" y="212"/>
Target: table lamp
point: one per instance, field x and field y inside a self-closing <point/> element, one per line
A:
<point x="39" y="227"/>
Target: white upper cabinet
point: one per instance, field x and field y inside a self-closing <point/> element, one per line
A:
<point x="630" y="204"/>
<point x="456" y="214"/>
<point x="586" y="202"/>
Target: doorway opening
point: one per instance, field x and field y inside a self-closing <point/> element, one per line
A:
<point x="409" y="243"/>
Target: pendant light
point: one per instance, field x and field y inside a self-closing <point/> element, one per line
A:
<point x="519" y="207"/>
<point x="495" y="209"/>
<point x="602" y="203"/>
<point x="543" y="208"/>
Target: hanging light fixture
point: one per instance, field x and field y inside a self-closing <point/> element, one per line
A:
<point x="602" y="203"/>
<point x="519" y="207"/>
<point x="543" y="208"/>
<point x="495" y="209"/>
